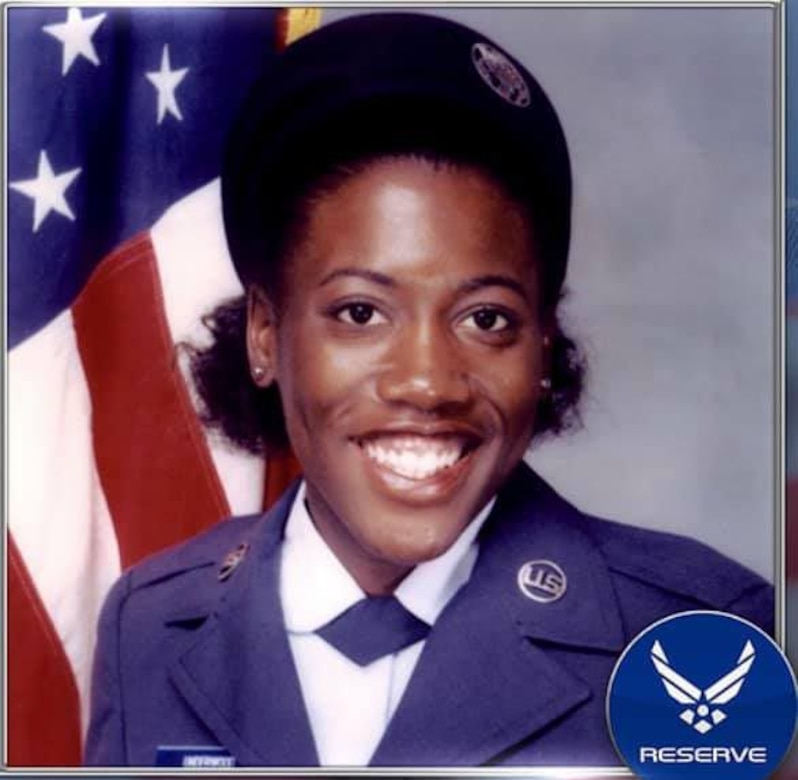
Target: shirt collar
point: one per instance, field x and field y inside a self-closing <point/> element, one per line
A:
<point x="432" y="584"/>
<point x="315" y="587"/>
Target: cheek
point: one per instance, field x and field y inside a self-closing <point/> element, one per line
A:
<point x="513" y="385"/>
<point x="318" y="381"/>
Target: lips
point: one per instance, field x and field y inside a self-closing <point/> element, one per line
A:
<point x="415" y="457"/>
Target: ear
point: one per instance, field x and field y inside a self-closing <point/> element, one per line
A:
<point x="261" y="337"/>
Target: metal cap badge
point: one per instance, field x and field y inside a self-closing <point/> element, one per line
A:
<point x="500" y="74"/>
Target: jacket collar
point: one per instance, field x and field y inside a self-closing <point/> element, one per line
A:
<point x="532" y="523"/>
<point x="485" y="680"/>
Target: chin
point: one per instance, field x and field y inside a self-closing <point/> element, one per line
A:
<point x="409" y="542"/>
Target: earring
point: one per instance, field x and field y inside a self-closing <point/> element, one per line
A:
<point x="258" y="373"/>
<point x="545" y="384"/>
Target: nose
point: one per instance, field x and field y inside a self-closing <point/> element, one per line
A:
<point x="425" y="369"/>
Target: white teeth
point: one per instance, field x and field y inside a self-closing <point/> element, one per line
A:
<point x="414" y="457"/>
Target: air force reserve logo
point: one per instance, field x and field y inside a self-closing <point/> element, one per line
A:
<point x="702" y="695"/>
<point x="703" y="703"/>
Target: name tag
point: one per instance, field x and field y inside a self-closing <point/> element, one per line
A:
<point x="197" y="756"/>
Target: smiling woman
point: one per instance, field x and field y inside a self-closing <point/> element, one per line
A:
<point x="397" y="199"/>
<point x="414" y="289"/>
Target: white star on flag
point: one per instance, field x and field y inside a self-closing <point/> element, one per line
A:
<point x="165" y="82"/>
<point x="75" y="34"/>
<point x="47" y="191"/>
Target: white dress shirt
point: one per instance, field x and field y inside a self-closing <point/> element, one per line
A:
<point x="349" y="706"/>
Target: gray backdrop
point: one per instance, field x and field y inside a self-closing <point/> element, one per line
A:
<point x="670" y="118"/>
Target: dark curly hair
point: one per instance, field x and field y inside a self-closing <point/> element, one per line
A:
<point x="251" y="417"/>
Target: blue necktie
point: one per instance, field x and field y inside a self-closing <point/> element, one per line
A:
<point x="373" y="627"/>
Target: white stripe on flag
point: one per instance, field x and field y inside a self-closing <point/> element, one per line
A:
<point x="58" y="514"/>
<point x="196" y="274"/>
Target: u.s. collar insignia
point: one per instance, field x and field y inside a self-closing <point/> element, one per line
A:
<point x="231" y="561"/>
<point x="542" y="581"/>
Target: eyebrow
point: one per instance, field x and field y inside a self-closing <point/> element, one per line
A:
<point x="493" y="280"/>
<point x="469" y="286"/>
<point x="360" y="273"/>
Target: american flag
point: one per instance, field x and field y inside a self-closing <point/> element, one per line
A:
<point x="116" y="124"/>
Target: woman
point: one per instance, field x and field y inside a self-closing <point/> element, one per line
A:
<point x="397" y="202"/>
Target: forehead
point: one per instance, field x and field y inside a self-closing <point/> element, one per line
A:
<point x="463" y="181"/>
<point x="401" y="211"/>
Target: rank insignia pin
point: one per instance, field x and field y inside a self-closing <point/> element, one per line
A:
<point x="231" y="561"/>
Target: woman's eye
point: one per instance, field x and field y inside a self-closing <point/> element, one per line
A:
<point x="489" y="320"/>
<point x="359" y="314"/>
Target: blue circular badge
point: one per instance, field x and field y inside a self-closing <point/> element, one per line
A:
<point x="702" y="695"/>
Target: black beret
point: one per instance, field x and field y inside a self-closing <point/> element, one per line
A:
<point x="392" y="83"/>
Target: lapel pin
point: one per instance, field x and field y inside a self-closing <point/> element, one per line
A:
<point x="542" y="581"/>
<point x="231" y="561"/>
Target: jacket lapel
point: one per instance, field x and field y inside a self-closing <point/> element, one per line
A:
<point x="485" y="681"/>
<point x="239" y="676"/>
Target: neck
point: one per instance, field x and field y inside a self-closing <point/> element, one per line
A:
<point x="375" y="576"/>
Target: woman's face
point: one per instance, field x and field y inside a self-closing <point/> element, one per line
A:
<point x="408" y="352"/>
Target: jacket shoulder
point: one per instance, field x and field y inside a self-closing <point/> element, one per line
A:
<point x="177" y="585"/>
<point x="208" y="548"/>
<point x="184" y="581"/>
<point x="682" y="568"/>
<point x="656" y="573"/>
<point x="672" y="562"/>
<point x="660" y="560"/>
<point x="212" y="546"/>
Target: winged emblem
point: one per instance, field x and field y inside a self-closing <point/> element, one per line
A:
<point x="702" y="710"/>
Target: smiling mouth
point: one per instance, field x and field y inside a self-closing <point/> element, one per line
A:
<point x="416" y="457"/>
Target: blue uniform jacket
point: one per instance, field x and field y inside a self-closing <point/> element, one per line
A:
<point x="185" y="659"/>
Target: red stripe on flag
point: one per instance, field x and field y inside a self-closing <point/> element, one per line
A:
<point x="43" y="709"/>
<point x="283" y="469"/>
<point x="281" y="29"/>
<point x="156" y="471"/>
